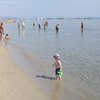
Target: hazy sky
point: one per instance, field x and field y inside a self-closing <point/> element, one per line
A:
<point x="50" y="8"/>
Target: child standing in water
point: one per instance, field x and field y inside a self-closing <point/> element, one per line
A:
<point x="58" y="66"/>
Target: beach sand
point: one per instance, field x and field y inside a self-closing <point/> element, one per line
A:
<point x="15" y="84"/>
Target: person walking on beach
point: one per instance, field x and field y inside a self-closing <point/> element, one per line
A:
<point x="58" y="66"/>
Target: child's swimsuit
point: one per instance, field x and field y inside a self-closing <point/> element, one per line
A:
<point x="57" y="71"/>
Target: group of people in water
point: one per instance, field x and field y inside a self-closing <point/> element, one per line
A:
<point x="39" y="25"/>
<point x="45" y="26"/>
<point x="3" y="36"/>
<point x="21" y="26"/>
<point x="56" y="26"/>
<point x="57" y="64"/>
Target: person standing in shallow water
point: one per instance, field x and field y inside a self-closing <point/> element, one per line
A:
<point x="39" y="26"/>
<point x="58" y="66"/>
<point x="57" y="28"/>
<point x="34" y="25"/>
<point x="19" y="27"/>
<point x="82" y="26"/>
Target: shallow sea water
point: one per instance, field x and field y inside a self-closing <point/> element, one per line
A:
<point x="33" y="51"/>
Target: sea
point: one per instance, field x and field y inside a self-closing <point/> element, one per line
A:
<point x="32" y="49"/>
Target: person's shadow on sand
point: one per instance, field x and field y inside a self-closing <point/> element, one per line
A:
<point x="45" y="77"/>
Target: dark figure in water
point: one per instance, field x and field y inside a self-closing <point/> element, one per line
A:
<point x="33" y="25"/>
<point x="57" y="28"/>
<point x="82" y="26"/>
<point x="39" y="26"/>
<point x="44" y="26"/>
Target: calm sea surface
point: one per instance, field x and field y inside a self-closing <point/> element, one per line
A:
<point x="79" y="51"/>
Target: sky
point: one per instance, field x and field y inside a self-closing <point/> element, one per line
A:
<point x="50" y="8"/>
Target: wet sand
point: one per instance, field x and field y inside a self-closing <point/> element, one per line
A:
<point x="15" y="84"/>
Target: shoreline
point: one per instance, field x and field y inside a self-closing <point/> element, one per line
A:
<point x="53" y="90"/>
<point x="81" y="77"/>
<point x="33" y="70"/>
<point x="15" y="84"/>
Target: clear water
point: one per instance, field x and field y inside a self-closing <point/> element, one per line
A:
<point x="79" y="51"/>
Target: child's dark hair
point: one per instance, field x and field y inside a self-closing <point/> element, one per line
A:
<point x="56" y="56"/>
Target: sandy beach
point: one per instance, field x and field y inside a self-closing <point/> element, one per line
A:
<point x="15" y="84"/>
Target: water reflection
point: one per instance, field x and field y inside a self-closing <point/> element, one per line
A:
<point x="23" y="30"/>
<point x="18" y="30"/>
<point x="82" y="30"/>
